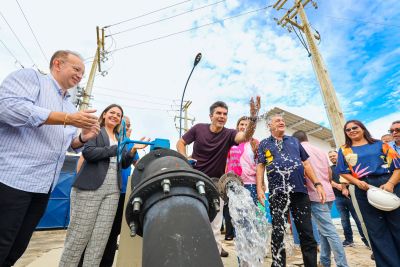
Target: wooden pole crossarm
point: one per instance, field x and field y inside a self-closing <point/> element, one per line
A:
<point x="300" y="27"/>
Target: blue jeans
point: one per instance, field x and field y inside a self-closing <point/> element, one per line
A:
<point x="329" y="237"/>
<point x="253" y="192"/>
<point x="296" y="239"/>
<point x="383" y="226"/>
<point x="345" y="208"/>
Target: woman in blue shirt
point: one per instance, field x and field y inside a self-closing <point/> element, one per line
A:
<point x="365" y="162"/>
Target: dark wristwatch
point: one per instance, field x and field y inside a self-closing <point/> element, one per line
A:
<point x="80" y="139"/>
<point x="253" y="118"/>
<point x="317" y="184"/>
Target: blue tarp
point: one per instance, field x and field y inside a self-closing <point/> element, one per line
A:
<point x="57" y="212"/>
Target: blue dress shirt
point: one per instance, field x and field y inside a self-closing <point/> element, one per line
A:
<point x="127" y="172"/>
<point x="32" y="154"/>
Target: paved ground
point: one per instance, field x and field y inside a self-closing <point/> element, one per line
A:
<point x="46" y="246"/>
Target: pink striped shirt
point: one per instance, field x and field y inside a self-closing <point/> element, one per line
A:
<point x="320" y="164"/>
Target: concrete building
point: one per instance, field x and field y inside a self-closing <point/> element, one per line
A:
<point x="318" y="135"/>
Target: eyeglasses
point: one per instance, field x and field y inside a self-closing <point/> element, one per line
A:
<point x="397" y="130"/>
<point x="351" y="129"/>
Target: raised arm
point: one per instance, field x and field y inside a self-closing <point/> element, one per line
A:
<point x="248" y="134"/>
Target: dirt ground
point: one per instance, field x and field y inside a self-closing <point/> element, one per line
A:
<point x="46" y="247"/>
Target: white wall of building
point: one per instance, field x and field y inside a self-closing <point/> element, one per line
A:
<point x="262" y="132"/>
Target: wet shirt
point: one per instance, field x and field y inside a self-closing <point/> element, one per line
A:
<point x="210" y="149"/>
<point x="283" y="164"/>
<point x="368" y="160"/>
<point x="241" y="161"/>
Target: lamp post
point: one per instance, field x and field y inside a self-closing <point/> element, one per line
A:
<point x="196" y="61"/>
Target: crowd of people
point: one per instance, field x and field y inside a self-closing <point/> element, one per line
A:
<point x="38" y="124"/>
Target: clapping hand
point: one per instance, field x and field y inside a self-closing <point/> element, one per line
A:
<point x="83" y="119"/>
<point x="89" y="133"/>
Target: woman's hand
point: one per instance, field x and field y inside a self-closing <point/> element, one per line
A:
<point x="141" y="146"/>
<point x="362" y="185"/>
<point x="389" y="186"/>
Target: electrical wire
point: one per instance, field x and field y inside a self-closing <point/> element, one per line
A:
<point x="301" y="38"/>
<point x="19" y="41"/>
<point x="34" y="35"/>
<point x="12" y="54"/>
<point x="191" y="29"/>
<point x="146" y="14"/>
<point x="126" y="92"/>
<point x="164" y="19"/>
<point x="136" y="107"/>
<point x="364" y="21"/>
<point x="135" y="99"/>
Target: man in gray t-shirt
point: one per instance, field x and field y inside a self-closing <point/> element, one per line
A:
<point x="211" y="143"/>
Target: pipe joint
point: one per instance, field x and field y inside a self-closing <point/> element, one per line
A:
<point x="166" y="185"/>
<point x="201" y="187"/>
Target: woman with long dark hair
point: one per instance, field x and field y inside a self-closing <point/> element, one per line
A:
<point x="366" y="162"/>
<point x="95" y="193"/>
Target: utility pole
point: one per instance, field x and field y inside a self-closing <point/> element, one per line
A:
<point x="332" y="107"/>
<point x="186" y="118"/>
<point x="331" y="103"/>
<point x="96" y="64"/>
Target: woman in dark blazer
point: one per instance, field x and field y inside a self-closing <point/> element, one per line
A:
<point x="95" y="193"/>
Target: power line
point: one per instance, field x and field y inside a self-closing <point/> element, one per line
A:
<point x="164" y="19"/>
<point x="123" y="91"/>
<point x="34" y="35"/>
<point x="146" y="14"/>
<point x="138" y="100"/>
<point x="191" y="29"/>
<point x="301" y="39"/>
<point x="19" y="41"/>
<point x="364" y="21"/>
<point x="136" y="107"/>
<point x="12" y="54"/>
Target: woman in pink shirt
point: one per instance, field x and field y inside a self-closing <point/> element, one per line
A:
<point x="242" y="160"/>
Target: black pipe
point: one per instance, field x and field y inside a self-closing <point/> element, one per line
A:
<point x="177" y="233"/>
<point x="171" y="206"/>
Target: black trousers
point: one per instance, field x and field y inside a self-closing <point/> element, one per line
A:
<point x="109" y="252"/>
<point x="20" y="213"/>
<point x="300" y="207"/>
<point x="229" y="229"/>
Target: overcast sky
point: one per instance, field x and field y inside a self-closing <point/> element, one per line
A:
<point x="243" y="56"/>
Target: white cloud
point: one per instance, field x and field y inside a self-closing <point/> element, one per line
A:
<point x="381" y="126"/>
<point x="241" y="58"/>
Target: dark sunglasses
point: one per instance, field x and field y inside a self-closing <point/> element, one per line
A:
<point x="397" y="130"/>
<point x="352" y="129"/>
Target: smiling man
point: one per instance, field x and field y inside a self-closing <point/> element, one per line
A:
<point x="38" y="124"/>
<point x="395" y="132"/>
<point x="286" y="163"/>
<point x="212" y="142"/>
